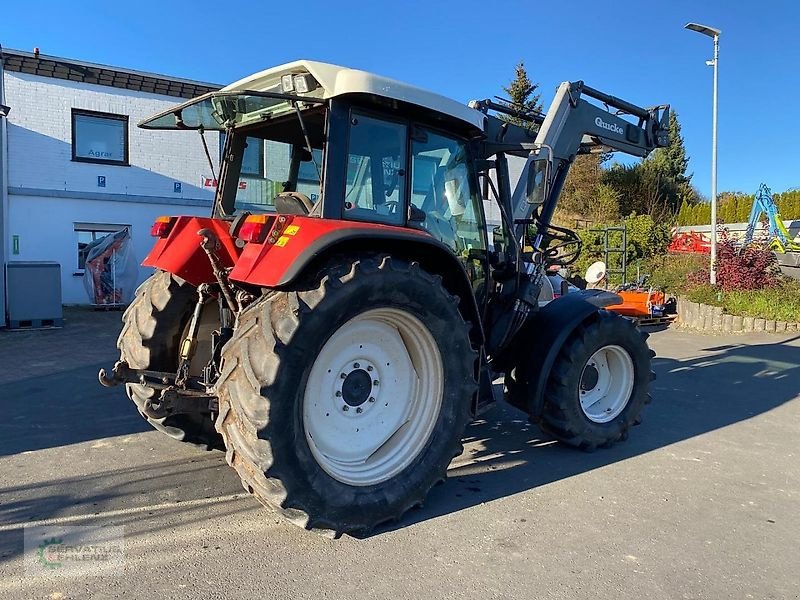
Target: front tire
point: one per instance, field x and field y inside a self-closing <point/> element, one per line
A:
<point x="599" y="383"/>
<point x="343" y="403"/>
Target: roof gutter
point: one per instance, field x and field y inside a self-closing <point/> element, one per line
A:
<point x="90" y="65"/>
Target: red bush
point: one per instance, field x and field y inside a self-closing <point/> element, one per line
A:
<point x="748" y="268"/>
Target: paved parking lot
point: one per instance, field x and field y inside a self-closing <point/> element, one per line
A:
<point x="701" y="502"/>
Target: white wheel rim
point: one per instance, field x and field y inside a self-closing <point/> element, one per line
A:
<point x="373" y="397"/>
<point x="606" y="384"/>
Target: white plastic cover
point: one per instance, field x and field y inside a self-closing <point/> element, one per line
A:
<point x="111" y="270"/>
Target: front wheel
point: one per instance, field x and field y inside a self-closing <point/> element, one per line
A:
<point x="599" y="383"/>
<point x="342" y="404"/>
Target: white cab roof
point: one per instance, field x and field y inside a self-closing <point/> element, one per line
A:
<point x="336" y="81"/>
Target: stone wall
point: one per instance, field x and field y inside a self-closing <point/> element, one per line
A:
<point x="710" y="318"/>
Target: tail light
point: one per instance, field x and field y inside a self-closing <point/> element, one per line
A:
<point x="256" y="228"/>
<point x="162" y="227"/>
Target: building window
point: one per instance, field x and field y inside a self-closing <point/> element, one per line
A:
<point x="99" y="137"/>
<point x="88" y="233"/>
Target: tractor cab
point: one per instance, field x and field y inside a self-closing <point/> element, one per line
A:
<point x="311" y="139"/>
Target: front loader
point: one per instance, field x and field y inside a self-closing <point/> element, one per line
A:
<point x="341" y="315"/>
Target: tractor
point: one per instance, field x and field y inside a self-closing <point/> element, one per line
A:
<point x="344" y="311"/>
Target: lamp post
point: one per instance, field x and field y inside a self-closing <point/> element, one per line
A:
<point x="713" y="33"/>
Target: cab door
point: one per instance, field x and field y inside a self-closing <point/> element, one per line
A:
<point x="444" y="189"/>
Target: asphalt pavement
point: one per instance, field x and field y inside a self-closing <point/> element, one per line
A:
<point x="700" y="502"/>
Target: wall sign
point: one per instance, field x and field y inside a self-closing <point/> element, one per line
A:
<point x="176" y="187"/>
<point x="101" y="181"/>
<point x="212" y="183"/>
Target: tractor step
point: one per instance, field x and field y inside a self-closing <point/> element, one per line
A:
<point x="643" y="321"/>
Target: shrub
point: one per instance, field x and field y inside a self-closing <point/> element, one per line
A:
<point x="671" y="271"/>
<point x="646" y="239"/>
<point x="748" y="268"/>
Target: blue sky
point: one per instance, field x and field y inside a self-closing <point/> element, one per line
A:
<point x="636" y="50"/>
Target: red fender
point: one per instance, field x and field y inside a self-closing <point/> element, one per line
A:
<point x="295" y="242"/>
<point x="180" y="253"/>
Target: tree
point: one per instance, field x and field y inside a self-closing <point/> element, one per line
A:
<point x="523" y="97"/>
<point x="581" y="184"/>
<point x="683" y="213"/>
<point x="744" y="208"/>
<point x="670" y="164"/>
<point x="672" y="160"/>
<point x="643" y="189"/>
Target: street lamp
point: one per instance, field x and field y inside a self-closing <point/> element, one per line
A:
<point x="713" y="33"/>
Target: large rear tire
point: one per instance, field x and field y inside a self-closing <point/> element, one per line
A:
<point x="152" y="327"/>
<point x="343" y="403"/>
<point x="599" y="383"/>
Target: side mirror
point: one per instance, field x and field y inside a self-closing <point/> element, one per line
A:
<point x="538" y="180"/>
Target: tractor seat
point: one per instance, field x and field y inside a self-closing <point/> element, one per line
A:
<point x="293" y="203"/>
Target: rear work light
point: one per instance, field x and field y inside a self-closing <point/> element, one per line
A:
<point x="162" y="227"/>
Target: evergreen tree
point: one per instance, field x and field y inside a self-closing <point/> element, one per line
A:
<point x="672" y="160"/>
<point x="683" y="213"/>
<point x="670" y="163"/>
<point x="723" y="212"/>
<point x="523" y="96"/>
<point x="745" y="206"/>
<point x="795" y="205"/>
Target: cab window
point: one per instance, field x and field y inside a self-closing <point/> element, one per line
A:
<point x="376" y="181"/>
<point x="443" y="187"/>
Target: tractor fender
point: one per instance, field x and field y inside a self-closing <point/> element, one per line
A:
<point x="180" y="253"/>
<point x="545" y="335"/>
<point x="302" y="243"/>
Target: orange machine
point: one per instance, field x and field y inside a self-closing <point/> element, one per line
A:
<point x="640" y="303"/>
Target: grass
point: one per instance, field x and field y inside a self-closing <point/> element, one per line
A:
<point x="779" y="303"/>
<point x="671" y="273"/>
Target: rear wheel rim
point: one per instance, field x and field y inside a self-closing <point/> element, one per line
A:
<point x="606" y="384"/>
<point x="373" y="397"/>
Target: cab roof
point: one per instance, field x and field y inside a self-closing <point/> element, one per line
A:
<point x="335" y="80"/>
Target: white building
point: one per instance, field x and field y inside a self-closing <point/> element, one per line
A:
<point x="74" y="166"/>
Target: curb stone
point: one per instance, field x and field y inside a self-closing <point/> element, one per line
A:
<point x="705" y="317"/>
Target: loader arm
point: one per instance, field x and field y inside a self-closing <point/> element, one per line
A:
<point x="573" y="126"/>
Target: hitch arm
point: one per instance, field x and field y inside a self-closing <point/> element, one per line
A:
<point x="190" y="399"/>
<point x="158" y="380"/>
